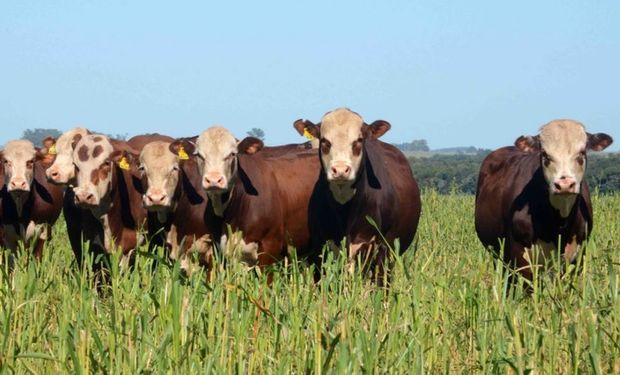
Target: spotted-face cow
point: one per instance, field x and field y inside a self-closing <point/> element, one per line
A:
<point x="264" y="197"/>
<point x="360" y="176"/>
<point x="110" y="190"/>
<point x="173" y="193"/>
<point x="29" y="205"/>
<point x="62" y="173"/>
<point x="533" y="199"/>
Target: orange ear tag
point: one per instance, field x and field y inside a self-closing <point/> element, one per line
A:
<point x="182" y="154"/>
<point x="307" y="134"/>
<point x="123" y="163"/>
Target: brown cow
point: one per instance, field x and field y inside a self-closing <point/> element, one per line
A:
<point x="110" y="190"/>
<point x="265" y="197"/>
<point x="533" y="199"/>
<point x="361" y="176"/>
<point x="173" y="194"/>
<point x="29" y="204"/>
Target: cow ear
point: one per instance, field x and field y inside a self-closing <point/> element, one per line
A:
<point x="183" y="148"/>
<point x="250" y="145"/>
<point x="124" y="158"/>
<point x="376" y="129"/>
<point x="76" y="139"/>
<point x="49" y="145"/>
<point x="599" y="141"/>
<point x="527" y="143"/>
<point x="307" y="129"/>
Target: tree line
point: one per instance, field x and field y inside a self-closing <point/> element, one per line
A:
<point x="443" y="172"/>
<point x="459" y="173"/>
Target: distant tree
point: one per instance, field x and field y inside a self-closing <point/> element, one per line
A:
<point x="36" y="136"/>
<point x="258" y="133"/>
<point x="415" y="145"/>
<point x="121" y="137"/>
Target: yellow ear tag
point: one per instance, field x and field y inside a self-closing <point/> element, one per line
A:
<point x="307" y="134"/>
<point x="52" y="150"/>
<point x="182" y="154"/>
<point x="123" y="163"/>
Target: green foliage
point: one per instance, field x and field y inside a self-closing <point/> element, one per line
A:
<point x="36" y="136"/>
<point x="415" y="145"/>
<point x="459" y="173"/>
<point x="445" y="312"/>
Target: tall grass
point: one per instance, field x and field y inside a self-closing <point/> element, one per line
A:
<point x="446" y="311"/>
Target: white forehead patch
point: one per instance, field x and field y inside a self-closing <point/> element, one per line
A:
<point x="19" y="150"/>
<point x="216" y="141"/>
<point x="563" y="137"/>
<point x="341" y="125"/>
<point x="63" y="143"/>
<point x="157" y="154"/>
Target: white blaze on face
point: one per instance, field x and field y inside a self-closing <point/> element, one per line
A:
<point x="216" y="149"/>
<point x="563" y="151"/>
<point x="18" y="158"/>
<point x="94" y="169"/>
<point x="341" y="145"/>
<point x="63" y="170"/>
<point x="160" y="168"/>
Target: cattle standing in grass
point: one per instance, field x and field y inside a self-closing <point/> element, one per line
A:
<point x="174" y="195"/>
<point x="361" y="176"/>
<point x="265" y="197"/>
<point x="110" y="190"/>
<point x="29" y="205"/>
<point x="534" y="196"/>
<point x="62" y="173"/>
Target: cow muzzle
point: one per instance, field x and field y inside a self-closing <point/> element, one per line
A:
<point x="214" y="181"/>
<point x="54" y="176"/>
<point x="17" y="185"/>
<point x="155" y="199"/>
<point x="85" y="198"/>
<point x="340" y="171"/>
<point x="565" y="185"/>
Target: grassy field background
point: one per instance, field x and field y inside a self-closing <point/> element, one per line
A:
<point x="445" y="312"/>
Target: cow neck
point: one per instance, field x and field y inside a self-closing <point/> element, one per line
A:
<point x="221" y="201"/>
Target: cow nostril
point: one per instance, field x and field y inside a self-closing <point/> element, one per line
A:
<point x="572" y="185"/>
<point x="54" y="174"/>
<point x="90" y="198"/>
<point x="220" y="181"/>
<point x="557" y="186"/>
<point x="347" y="170"/>
<point x="334" y="171"/>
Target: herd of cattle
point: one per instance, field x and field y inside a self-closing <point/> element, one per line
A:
<point x="213" y="193"/>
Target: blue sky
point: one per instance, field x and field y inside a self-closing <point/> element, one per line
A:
<point x="454" y="73"/>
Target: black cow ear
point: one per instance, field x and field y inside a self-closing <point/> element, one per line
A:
<point x="376" y="129"/>
<point x="527" y="143"/>
<point x="307" y="129"/>
<point x="250" y="145"/>
<point x="599" y="141"/>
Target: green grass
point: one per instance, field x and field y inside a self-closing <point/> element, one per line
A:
<point x="445" y="312"/>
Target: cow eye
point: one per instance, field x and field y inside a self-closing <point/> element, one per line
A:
<point x="30" y="164"/>
<point x="175" y="168"/>
<point x="141" y="168"/>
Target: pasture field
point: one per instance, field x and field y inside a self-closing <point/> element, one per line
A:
<point x="445" y="312"/>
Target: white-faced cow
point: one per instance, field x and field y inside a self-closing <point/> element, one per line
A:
<point x="533" y="198"/>
<point x="361" y="177"/>
<point x="264" y="196"/>
<point x="29" y="205"/>
<point x="173" y="193"/>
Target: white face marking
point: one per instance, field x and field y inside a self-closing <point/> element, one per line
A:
<point x="563" y="148"/>
<point x="341" y="146"/>
<point x="18" y="158"/>
<point x="217" y="159"/>
<point x="62" y="170"/>
<point x="161" y="169"/>
<point x="94" y="169"/>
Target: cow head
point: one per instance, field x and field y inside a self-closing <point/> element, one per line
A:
<point x="341" y="135"/>
<point x="18" y="159"/>
<point x="562" y="146"/>
<point x="95" y="158"/>
<point x="160" y="171"/>
<point x="216" y="151"/>
<point x="62" y="170"/>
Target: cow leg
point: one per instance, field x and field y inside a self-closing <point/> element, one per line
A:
<point x="38" y="233"/>
<point x="73" y="220"/>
